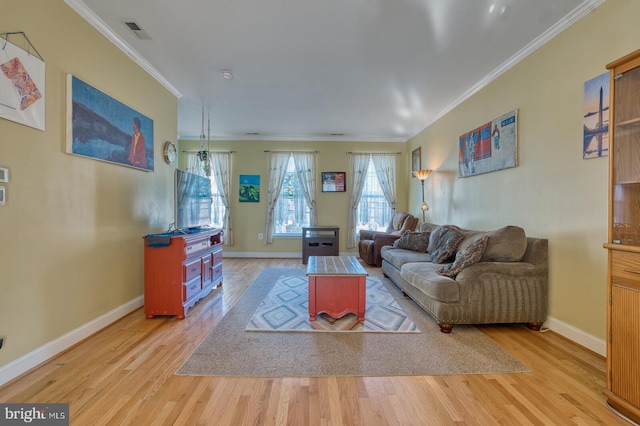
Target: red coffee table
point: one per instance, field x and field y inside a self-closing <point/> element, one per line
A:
<point x="337" y="286"/>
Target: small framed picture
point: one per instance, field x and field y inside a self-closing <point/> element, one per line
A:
<point x="2" y="197"/>
<point x="334" y="182"/>
<point x="4" y="175"/>
<point x="416" y="160"/>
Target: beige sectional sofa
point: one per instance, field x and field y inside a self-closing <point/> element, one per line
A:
<point x="499" y="276"/>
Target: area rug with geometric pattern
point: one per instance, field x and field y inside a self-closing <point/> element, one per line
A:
<point x="231" y="350"/>
<point x="286" y="308"/>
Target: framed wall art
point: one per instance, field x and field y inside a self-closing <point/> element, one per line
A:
<point x="22" y="77"/>
<point x="105" y="129"/>
<point x="334" y="182"/>
<point x="490" y="147"/>
<point x="249" y="188"/>
<point x="596" y="117"/>
<point x="416" y="160"/>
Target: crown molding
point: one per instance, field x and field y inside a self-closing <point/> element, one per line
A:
<point x="103" y="28"/>
<point x="579" y="12"/>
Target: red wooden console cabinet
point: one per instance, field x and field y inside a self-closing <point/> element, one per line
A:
<point x="179" y="270"/>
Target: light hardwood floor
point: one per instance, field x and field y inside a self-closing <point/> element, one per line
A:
<point x="124" y="375"/>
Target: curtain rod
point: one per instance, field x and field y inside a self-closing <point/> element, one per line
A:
<point x="313" y="152"/>
<point x="375" y="153"/>
<point x="221" y="152"/>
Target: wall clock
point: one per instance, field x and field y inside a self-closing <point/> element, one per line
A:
<point x="170" y="152"/>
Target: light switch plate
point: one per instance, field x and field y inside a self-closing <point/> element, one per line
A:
<point x="2" y="196"/>
<point x="4" y="174"/>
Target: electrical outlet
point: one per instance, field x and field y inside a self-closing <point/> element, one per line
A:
<point x="260" y="236"/>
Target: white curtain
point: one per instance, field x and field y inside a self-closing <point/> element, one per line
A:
<point x="277" y="172"/>
<point x="385" y="165"/>
<point x="306" y="170"/>
<point x="359" y="166"/>
<point x="193" y="163"/>
<point x="221" y="173"/>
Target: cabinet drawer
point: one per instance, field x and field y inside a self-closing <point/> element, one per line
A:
<point x="217" y="257"/>
<point x="197" y="246"/>
<point x="191" y="270"/>
<point x="217" y="272"/>
<point x="191" y="288"/>
<point x="625" y="268"/>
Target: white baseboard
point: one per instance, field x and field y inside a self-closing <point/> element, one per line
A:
<point x="261" y="254"/>
<point x="273" y="255"/>
<point x="34" y="358"/>
<point x="574" y="334"/>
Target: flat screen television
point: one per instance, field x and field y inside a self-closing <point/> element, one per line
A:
<point x="192" y="200"/>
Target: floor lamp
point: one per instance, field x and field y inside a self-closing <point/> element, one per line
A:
<point x="423" y="175"/>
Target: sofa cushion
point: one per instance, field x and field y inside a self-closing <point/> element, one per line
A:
<point x="467" y="256"/>
<point x="416" y="241"/>
<point x="423" y="276"/>
<point x="398" y="257"/>
<point x="506" y="244"/>
<point x="427" y="227"/>
<point x="443" y="242"/>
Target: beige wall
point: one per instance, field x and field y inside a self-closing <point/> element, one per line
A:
<point x="553" y="193"/>
<point x="250" y="158"/>
<point x="72" y="228"/>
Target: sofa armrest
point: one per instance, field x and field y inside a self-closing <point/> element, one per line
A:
<point x="365" y="234"/>
<point x="382" y="239"/>
<point x="505" y="291"/>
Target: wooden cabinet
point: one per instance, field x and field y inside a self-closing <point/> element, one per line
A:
<point x="623" y="283"/>
<point x="179" y="270"/>
<point x="320" y="241"/>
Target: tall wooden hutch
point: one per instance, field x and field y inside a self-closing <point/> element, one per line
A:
<point x="623" y="283"/>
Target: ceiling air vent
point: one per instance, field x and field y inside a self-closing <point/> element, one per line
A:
<point x="137" y="30"/>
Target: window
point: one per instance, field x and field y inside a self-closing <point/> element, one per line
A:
<point x="292" y="210"/>
<point x="374" y="211"/>
<point x="217" y="206"/>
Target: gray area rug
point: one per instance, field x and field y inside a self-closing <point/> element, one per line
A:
<point x="230" y="350"/>
<point x="286" y="308"/>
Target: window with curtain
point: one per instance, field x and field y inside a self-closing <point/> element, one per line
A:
<point x="291" y="211"/>
<point x="220" y="185"/>
<point x="374" y="211"/>
<point x="217" y="205"/>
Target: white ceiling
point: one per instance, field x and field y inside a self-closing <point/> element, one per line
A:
<point x="371" y="70"/>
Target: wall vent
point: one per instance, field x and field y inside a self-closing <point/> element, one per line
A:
<point x="136" y="29"/>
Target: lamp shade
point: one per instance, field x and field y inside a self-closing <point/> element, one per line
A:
<point x="422" y="174"/>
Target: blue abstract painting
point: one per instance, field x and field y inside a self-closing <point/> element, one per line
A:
<point x="103" y="128"/>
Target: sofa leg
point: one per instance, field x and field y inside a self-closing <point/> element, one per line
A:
<point x="536" y="326"/>
<point x="445" y="328"/>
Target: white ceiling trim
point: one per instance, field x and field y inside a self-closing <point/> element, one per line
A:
<point x="562" y="25"/>
<point x="99" y="24"/>
<point x="312" y="138"/>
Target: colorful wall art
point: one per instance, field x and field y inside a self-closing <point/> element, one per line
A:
<point x="595" y="127"/>
<point x="249" y="188"/>
<point x="105" y="129"/>
<point x="22" y="77"/>
<point x="490" y="147"/>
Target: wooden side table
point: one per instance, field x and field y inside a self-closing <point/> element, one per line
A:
<point x="337" y="286"/>
<point x="320" y="241"/>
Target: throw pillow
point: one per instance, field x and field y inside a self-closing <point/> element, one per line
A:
<point x="443" y="242"/>
<point x="414" y="241"/>
<point x="465" y="257"/>
<point x="507" y="244"/>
